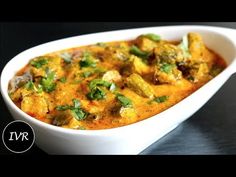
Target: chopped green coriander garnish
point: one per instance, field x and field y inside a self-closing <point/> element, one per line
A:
<point x="29" y="85"/>
<point x="99" y="82"/>
<point x="76" y="110"/>
<point x="152" y="37"/>
<point x="86" y="74"/>
<point x="87" y="60"/>
<point x="125" y="102"/>
<point x="96" y="94"/>
<point x="48" y="83"/>
<point x="166" y="68"/>
<point x="63" y="79"/>
<point x="136" y="51"/>
<point x="38" y="63"/>
<point x="63" y="107"/>
<point x="160" y="99"/>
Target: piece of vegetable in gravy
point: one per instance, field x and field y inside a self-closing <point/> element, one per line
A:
<point x="136" y="83"/>
<point x="113" y="84"/>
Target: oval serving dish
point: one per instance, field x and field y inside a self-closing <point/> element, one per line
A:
<point x="133" y="138"/>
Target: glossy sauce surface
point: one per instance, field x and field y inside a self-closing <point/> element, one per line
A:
<point x="108" y="85"/>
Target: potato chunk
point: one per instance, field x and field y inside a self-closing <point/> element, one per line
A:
<point x="66" y="120"/>
<point x="127" y="112"/>
<point x="145" y="44"/>
<point x="167" y="76"/>
<point x="35" y="105"/>
<point x="138" y="66"/>
<point x="128" y="115"/>
<point x="112" y="76"/>
<point x="196" y="46"/>
<point x="199" y="72"/>
<point x="120" y="52"/>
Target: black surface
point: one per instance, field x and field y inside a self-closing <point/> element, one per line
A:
<point x="212" y="130"/>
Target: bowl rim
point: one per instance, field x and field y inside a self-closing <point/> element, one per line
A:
<point x="11" y="105"/>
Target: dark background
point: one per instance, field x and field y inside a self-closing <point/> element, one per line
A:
<point x="212" y="130"/>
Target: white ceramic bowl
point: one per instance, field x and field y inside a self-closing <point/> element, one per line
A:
<point x="134" y="138"/>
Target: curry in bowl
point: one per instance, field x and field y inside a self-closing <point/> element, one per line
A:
<point x="113" y="84"/>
